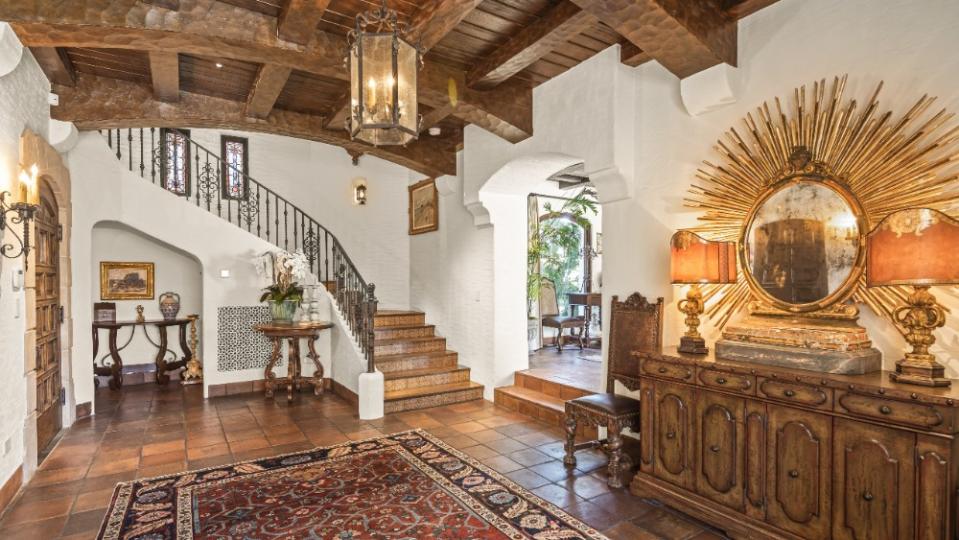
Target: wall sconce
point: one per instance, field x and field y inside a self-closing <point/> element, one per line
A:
<point x="359" y="191"/>
<point x="24" y="206"/>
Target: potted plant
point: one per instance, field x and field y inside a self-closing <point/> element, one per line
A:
<point x="284" y="295"/>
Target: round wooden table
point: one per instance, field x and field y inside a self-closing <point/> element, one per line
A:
<point x="293" y="332"/>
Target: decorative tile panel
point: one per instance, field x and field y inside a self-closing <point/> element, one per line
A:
<point x="239" y="346"/>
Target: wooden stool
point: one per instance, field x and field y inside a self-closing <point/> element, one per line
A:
<point x="611" y="411"/>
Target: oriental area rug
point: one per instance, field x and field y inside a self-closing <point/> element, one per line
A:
<point x="408" y="485"/>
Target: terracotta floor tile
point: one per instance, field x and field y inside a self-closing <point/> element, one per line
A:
<point x="557" y="495"/>
<point x="506" y="446"/>
<point x="249" y="444"/>
<point x="37" y="511"/>
<point x="38" y="530"/>
<point x="469" y="427"/>
<point x="501" y="464"/>
<point x="84" y="522"/>
<point x="163" y="447"/>
<point x="597" y="516"/>
<point x="93" y="500"/>
<point x="529" y="457"/>
<point x="162" y="459"/>
<point x="555" y="471"/>
<point x="104" y="467"/>
<point x="480" y="452"/>
<point x="629" y="531"/>
<point x="57" y="476"/>
<point x="487" y="435"/>
<point x="203" y="452"/>
<point x="527" y="478"/>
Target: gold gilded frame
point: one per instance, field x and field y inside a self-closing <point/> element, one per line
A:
<point x="882" y="162"/>
<point x="106" y="266"/>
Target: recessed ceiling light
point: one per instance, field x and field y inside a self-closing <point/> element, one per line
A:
<point x="219" y="65"/>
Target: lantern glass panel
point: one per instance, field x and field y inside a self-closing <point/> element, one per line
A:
<point x="377" y="71"/>
<point x="407" y="65"/>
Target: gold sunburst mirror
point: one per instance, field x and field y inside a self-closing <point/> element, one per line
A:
<point x="800" y="188"/>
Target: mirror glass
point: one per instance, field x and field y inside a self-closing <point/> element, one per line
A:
<point x="802" y="243"/>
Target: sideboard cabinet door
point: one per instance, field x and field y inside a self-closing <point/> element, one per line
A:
<point x="720" y="448"/>
<point x="798" y="471"/>
<point x="874" y="482"/>
<point x="673" y="434"/>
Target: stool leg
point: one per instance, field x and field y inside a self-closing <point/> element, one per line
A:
<point x="570" y="459"/>
<point x="615" y="446"/>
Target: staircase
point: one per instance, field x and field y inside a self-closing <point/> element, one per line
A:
<point x="542" y="399"/>
<point x="418" y="369"/>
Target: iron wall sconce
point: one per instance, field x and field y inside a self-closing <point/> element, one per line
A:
<point x="359" y="192"/>
<point x="21" y="212"/>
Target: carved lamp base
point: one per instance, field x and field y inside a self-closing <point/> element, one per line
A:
<point x="921" y="371"/>
<point x="692" y="345"/>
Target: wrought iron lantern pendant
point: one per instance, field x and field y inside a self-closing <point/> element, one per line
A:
<point x="383" y="67"/>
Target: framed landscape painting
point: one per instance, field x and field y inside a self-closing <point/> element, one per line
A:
<point x="126" y="280"/>
<point x="424" y="207"/>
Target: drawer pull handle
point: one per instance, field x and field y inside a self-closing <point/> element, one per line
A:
<point x="885" y="409"/>
<point x="671" y="435"/>
<point x="662" y="370"/>
<point x="721" y="380"/>
<point x="789" y="393"/>
<point x="714" y="448"/>
<point x="794" y="473"/>
<point x="866" y="496"/>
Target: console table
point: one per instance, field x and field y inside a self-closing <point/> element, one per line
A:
<point x="767" y="452"/>
<point x="115" y="370"/>
<point x="588" y="301"/>
<point x="293" y="332"/>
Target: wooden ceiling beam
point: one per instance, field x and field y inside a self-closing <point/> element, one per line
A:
<point x="557" y="26"/>
<point x="269" y="83"/>
<point x="250" y="36"/>
<point x="744" y="8"/>
<point x="685" y="37"/>
<point x="100" y="102"/>
<point x="338" y="113"/>
<point x="173" y="5"/>
<point x="434" y="19"/>
<point x="434" y="117"/>
<point x="165" y="73"/>
<point x="298" y="19"/>
<point x="55" y="64"/>
<point x="631" y="55"/>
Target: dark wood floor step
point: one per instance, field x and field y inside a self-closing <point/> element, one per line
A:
<point x="414" y="378"/>
<point x="548" y="386"/>
<point x="432" y="396"/>
<point x="409" y="345"/>
<point x="394" y="317"/>
<point x="404" y="331"/>
<point x="411" y="361"/>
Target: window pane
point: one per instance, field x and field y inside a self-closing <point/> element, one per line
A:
<point x="234" y="179"/>
<point x="176" y="162"/>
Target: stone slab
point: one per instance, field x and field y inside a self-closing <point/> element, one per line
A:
<point x="824" y="361"/>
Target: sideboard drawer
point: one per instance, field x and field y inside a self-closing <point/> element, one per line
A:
<point x="725" y="380"/>
<point x="918" y="415"/>
<point x="800" y="394"/>
<point x="667" y="370"/>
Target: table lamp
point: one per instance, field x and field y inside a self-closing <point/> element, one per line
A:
<point x="916" y="247"/>
<point x="694" y="261"/>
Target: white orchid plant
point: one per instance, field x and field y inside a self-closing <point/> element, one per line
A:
<point x="286" y="270"/>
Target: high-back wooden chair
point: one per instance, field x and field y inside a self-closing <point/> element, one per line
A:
<point x="551" y="318"/>
<point x="635" y="325"/>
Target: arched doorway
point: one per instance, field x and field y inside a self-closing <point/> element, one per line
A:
<point x="48" y="318"/>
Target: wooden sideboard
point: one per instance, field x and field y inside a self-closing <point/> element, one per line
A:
<point x="765" y="452"/>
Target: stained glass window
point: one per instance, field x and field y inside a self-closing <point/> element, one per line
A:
<point x="235" y="152"/>
<point x="174" y="154"/>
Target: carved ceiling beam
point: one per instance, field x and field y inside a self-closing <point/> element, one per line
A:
<point x="631" y="55"/>
<point x="100" y="102"/>
<point x="270" y="80"/>
<point x="338" y="113"/>
<point x="685" y="37"/>
<point x="172" y="5"/>
<point x="165" y="72"/>
<point x="434" y="19"/>
<point x="298" y="19"/>
<point x="434" y="117"/>
<point x="55" y="64"/>
<point x="744" y="8"/>
<point x="215" y="29"/>
<point x="557" y="26"/>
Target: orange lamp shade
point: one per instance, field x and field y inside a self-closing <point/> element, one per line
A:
<point x="693" y="259"/>
<point x="917" y="246"/>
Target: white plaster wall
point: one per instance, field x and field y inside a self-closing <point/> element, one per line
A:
<point x="318" y="178"/>
<point x="174" y="270"/>
<point x="23" y="100"/>
<point x="105" y="191"/>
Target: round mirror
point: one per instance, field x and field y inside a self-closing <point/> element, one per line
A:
<point x="803" y="244"/>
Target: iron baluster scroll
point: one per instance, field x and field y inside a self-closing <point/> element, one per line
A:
<point x="200" y="179"/>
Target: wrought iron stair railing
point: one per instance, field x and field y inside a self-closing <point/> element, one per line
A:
<point x="187" y="169"/>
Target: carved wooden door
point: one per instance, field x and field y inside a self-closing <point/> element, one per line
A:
<point x="934" y="480"/>
<point x="874" y="482"/>
<point x="46" y="268"/>
<point x="673" y="425"/>
<point x="798" y="471"/>
<point x="719" y="448"/>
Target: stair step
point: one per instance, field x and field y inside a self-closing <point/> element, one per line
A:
<point x="409" y="345"/>
<point x="391" y="317"/>
<point x="432" y="396"/>
<point x="549" y="387"/>
<point x="404" y="331"/>
<point x="414" y="378"/>
<point x="543" y="407"/>
<point x="389" y="363"/>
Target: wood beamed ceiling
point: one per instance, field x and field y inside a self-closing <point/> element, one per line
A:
<point x="276" y="66"/>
